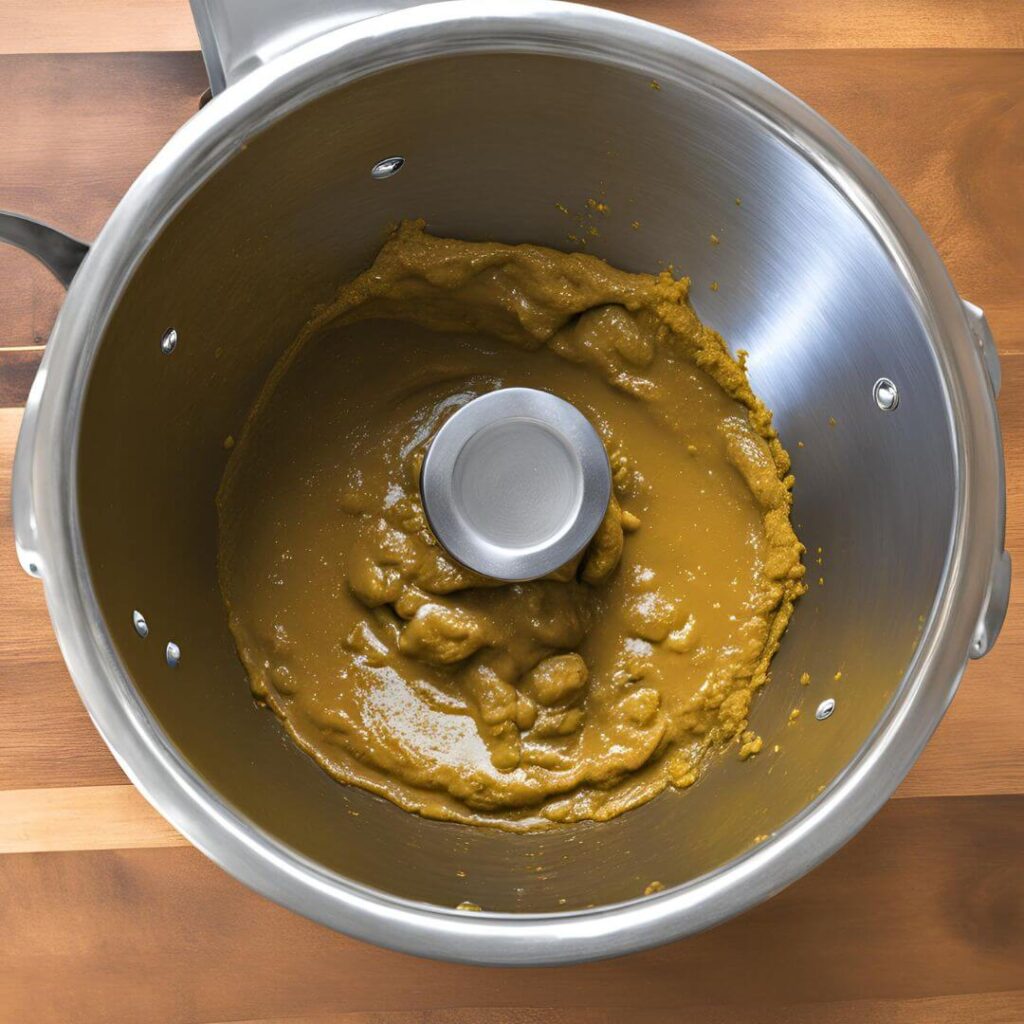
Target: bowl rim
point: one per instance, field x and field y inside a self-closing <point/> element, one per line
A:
<point x="270" y="867"/>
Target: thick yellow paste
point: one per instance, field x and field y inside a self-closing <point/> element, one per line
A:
<point x="574" y="697"/>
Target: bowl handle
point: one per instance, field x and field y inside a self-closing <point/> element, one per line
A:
<point x="238" y="36"/>
<point x="61" y="255"/>
<point x="998" y="600"/>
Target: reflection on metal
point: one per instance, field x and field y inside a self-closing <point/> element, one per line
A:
<point x="237" y="36"/>
<point x="886" y="395"/>
<point x="994" y="615"/>
<point x="388" y="167"/>
<point x="59" y="253"/>
<point x="268" y="235"/>
<point x="516" y="483"/>
<point x="986" y="344"/>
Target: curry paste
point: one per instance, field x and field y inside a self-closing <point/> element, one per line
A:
<point x="522" y="705"/>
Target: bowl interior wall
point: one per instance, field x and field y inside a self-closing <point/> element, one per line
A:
<point x="492" y="145"/>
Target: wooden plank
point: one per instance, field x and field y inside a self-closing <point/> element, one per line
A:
<point x="960" y="757"/>
<point x="946" y="128"/>
<point x="80" y="131"/>
<point x="978" y="748"/>
<point x="46" y="737"/>
<point x="85" y="125"/>
<point x="17" y="371"/>
<point x="849" y="24"/>
<point x="80" y="818"/>
<point x="113" y="25"/>
<point x="469" y="1015"/>
<point x="94" y="26"/>
<point x="919" y="920"/>
<point x="926" y="902"/>
<point x="979" y="1008"/>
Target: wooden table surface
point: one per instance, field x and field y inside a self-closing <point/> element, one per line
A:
<point x="106" y="914"/>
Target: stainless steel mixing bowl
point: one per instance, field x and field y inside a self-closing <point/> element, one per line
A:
<point x="265" y="201"/>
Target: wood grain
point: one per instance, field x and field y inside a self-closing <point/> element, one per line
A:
<point x="84" y="26"/>
<point x="976" y="751"/>
<point x="991" y="1008"/>
<point x="82" y="128"/>
<point x="927" y="902"/>
<point x="946" y="128"/>
<point x="987" y="1008"/>
<point x="18" y="366"/>
<point x="80" y="818"/>
<point x="106" y="916"/>
<point x="954" y="130"/>
<point x="846" y="24"/>
<point x="960" y="759"/>
<point x="46" y="738"/>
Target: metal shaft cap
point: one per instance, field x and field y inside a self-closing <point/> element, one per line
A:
<point x="515" y="484"/>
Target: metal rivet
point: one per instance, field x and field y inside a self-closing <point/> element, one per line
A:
<point x="825" y="708"/>
<point x="33" y="568"/>
<point x="887" y="397"/>
<point x="387" y="167"/>
<point x="173" y="654"/>
<point x="169" y="341"/>
<point x="140" y="624"/>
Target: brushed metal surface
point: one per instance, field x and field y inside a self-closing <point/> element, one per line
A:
<point x="238" y="36"/>
<point x="253" y="214"/>
<point x="516" y="483"/>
